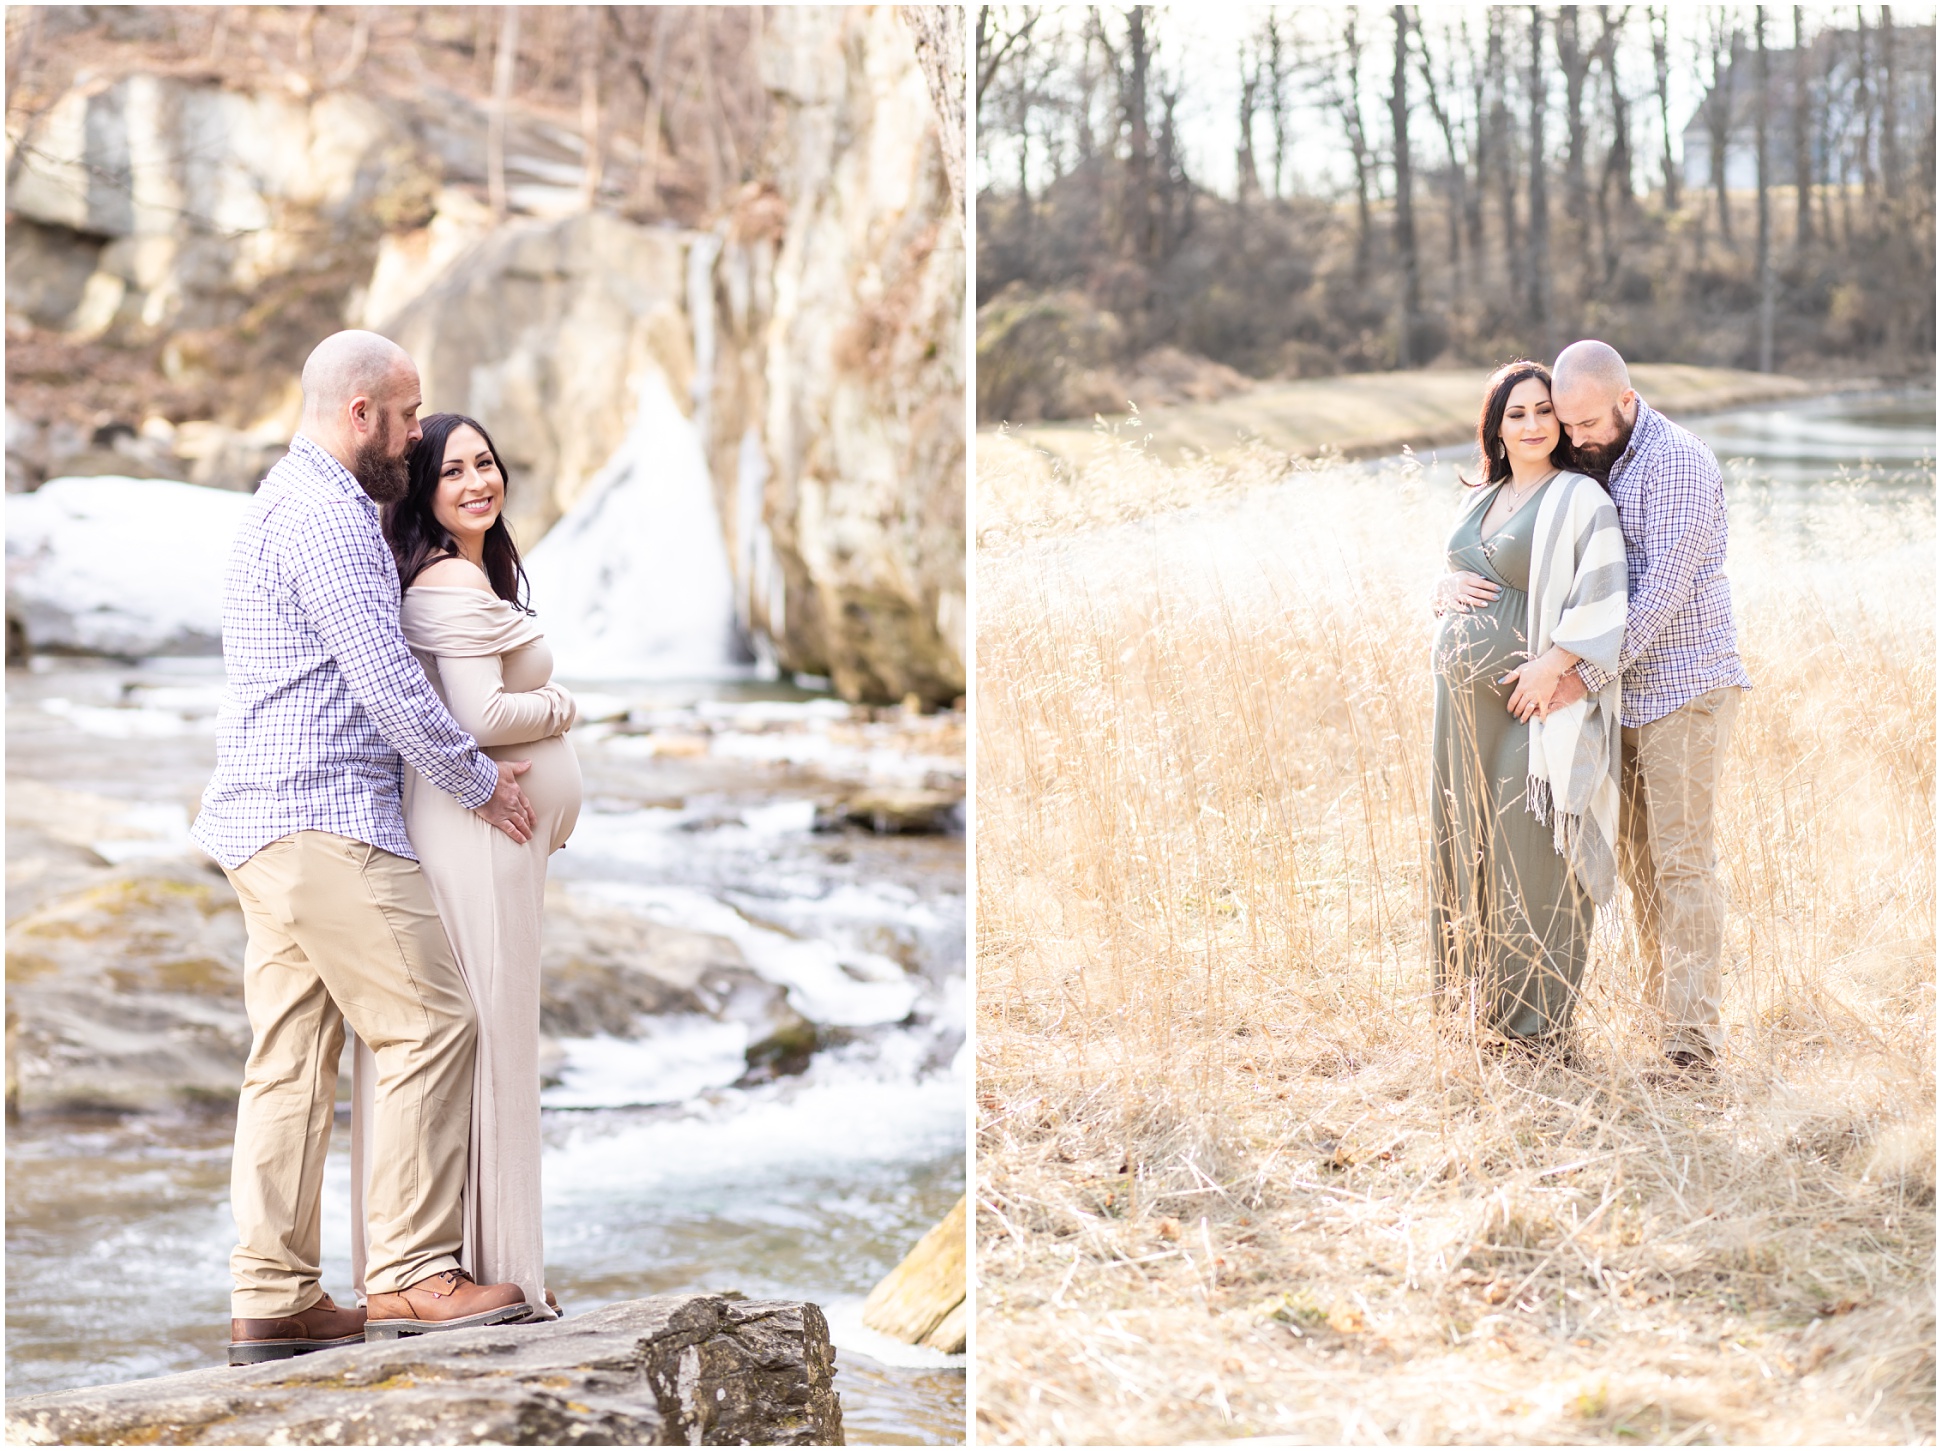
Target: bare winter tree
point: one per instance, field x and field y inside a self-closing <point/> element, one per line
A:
<point x="1248" y="172"/>
<point x="1460" y="206"/>
<point x="1762" y="107"/>
<point x="1660" y="20"/>
<point x="1538" y="281"/>
<point x="1722" y="42"/>
<point x="1280" y="72"/>
<point x="1502" y="142"/>
<point x="1344" y="93"/>
<point x="1405" y="253"/>
<point x="1802" y="137"/>
<point x="503" y="64"/>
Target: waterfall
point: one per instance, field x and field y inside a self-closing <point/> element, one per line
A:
<point x="634" y="582"/>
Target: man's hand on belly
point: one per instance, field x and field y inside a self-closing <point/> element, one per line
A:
<point x="507" y="808"/>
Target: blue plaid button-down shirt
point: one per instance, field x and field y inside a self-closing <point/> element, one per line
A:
<point x="322" y="697"/>
<point x="1679" y="639"/>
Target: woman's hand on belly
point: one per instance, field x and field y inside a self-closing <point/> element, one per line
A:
<point x="1461" y="591"/>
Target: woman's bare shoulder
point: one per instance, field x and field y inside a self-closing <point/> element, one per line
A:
<point x="453" y="573"/>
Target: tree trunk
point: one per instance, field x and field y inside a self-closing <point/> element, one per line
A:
<point x="1614" y="198"/>
<point x="1802" y="137"/>
<point x="653" y="85"/>
<point x="1405" y="253"/>
<point x="1460" y="207"/>
<point x="591" y="133"/>
<point x="1247" y="173"/>
<point x="1718" y="115"/>
<point x="502" y="68"/>
<point x="1539" y="194"/>
<point x="1890" y="127"/>
<point x="360" y="44"/>
<point x="1661" y="67"/>
<point x="1540" y="204"/>
<point x="1864" y="102"/>
<point x="938" y="31"/>
<point x="1138" y="202"/>
<point x="1575" y="62"/>
<point x="1277" y="79"/>
<point x="1348" y="101"/>
<point x="1762" y="95"/>
<point x="1499" y="113"/>
<point x="1473" y="200"/>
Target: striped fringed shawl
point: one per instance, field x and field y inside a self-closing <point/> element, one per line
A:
<point x="1577" y="600"/>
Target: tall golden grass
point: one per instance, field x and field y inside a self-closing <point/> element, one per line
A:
<point x="1233" y="1180"/>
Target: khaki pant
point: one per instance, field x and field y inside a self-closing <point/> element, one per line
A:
<point x="341" y="930"/>
<point x="1670" y="785"/>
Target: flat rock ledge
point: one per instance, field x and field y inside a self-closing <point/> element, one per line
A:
<point x="674" y="1370"/>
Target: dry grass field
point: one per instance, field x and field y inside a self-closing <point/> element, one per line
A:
<point x="1232" y="1179"/>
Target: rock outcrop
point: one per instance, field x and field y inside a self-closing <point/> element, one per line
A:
<point x="837" y="397"/>
<point x="698" y="1370"/>
<point x="924" y="1300"/>
<point x="546" y="332"/>
<point x="127" y="994"/>
<point x="177" y="242"/>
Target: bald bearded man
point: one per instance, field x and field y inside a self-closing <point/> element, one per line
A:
<point x="1680" y="680"/>
<point x="322" y="701"/>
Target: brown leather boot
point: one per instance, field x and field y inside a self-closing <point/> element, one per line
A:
<point x="323" y="1326"/>
<point x="449" y="1300"/>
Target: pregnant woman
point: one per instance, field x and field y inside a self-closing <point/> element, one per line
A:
<point x="488" y="661"/>
<point x="1525" y="809"/>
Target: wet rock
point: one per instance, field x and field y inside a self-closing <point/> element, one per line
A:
<point x="922" y="1300"/>
<point x="602" y="970"/>
<point x="672" y="1370"/>
<point x="894" y="810"/>
<point x="126" y="994"/>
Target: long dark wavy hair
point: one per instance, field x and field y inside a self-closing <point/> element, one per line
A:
<point x="1489" y="430"/>
<point x="417" y="538"/>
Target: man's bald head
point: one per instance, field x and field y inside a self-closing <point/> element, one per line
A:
<point x="1591" y="368"/>
<point x="360" y="402"/>
<point x="350" y="365"/>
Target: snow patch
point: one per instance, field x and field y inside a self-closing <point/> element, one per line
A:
<point x="120" y="566"/>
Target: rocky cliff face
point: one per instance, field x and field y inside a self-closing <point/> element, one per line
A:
<point x="176" y="244"/>
<point x="836" y="402"/>
<point x="695" y="1370"/>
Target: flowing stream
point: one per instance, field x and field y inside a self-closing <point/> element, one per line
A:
<point x="660" y="1174"/>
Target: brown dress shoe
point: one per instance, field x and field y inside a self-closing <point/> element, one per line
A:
<point x="323" y="1326"/>
<point x="446" y="1301"/>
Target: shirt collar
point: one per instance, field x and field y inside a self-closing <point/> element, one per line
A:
<point x="324" y="465"/>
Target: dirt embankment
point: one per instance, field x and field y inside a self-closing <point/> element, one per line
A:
<point x="1358" y="415"/>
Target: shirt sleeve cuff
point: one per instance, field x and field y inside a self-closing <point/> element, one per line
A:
<point x="485" y="780"/>
<point x="1593" y="678"/>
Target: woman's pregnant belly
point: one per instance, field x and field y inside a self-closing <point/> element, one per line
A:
<point x="1472" y="651"/>
<point x="552" y="785"/>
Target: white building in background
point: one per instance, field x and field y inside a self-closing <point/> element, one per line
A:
<point x="1836" y="130"/>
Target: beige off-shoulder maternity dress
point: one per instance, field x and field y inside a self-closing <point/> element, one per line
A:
<point x="490" y="664"/>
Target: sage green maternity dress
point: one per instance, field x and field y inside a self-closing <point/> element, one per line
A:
<point x="1510" y="926"/>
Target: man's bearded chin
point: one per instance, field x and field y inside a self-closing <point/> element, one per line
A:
<point x="1597" y="458"/>
<point x="385" y="477"/>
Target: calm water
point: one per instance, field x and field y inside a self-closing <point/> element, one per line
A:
<point x="1880" y="442"/>
<point x="118" y="1231"/>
